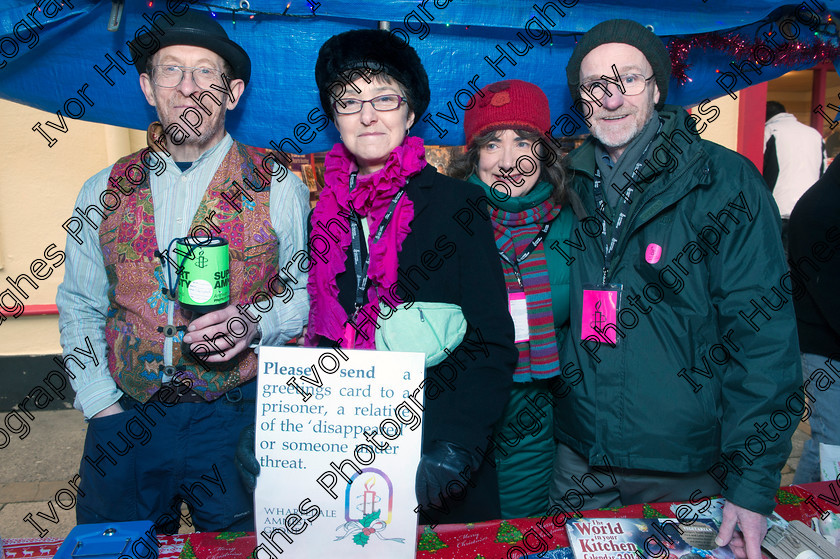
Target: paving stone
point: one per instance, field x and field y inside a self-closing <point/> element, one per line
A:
<point x="13" y="525"/>
<point x="51" y="451"/>
<point x="19" y="492"/>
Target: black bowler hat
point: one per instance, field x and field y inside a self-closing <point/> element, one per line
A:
<point x="196" y="29"/>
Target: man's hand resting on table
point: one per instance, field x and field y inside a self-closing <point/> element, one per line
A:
<point x="214" y="323"/>
<point x="747" y="543"/>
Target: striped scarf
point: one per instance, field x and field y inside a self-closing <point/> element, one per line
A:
<point x="514" y="230"/>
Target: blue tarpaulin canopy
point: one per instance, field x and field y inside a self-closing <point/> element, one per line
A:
<point x="60" y="56"/>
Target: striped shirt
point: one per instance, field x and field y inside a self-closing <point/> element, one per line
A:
<point x="83" y="295"/>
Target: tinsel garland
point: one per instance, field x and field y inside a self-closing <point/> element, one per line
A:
<point x="790" y="53"/>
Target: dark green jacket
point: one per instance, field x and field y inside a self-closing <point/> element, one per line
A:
<point x="692" y="375"/>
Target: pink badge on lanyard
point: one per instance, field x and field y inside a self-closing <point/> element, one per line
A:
<point x="600" y="307"/>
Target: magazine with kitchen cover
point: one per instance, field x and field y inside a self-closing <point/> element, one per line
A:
<point x="644" y="538"/>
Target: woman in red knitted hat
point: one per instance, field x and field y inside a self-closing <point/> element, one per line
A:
<point x="509" y="156"/>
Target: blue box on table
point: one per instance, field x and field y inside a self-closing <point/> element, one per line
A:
<point x="111" y="540"/>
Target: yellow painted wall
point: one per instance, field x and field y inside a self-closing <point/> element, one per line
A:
<point x="38" y="189"/>
<point x="724" y="130"/>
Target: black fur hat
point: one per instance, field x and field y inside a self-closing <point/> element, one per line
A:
<point x="375" y="50"/>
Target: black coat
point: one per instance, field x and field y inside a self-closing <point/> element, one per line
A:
<point x="447" y="258"/>
<point x="815" y="264"/>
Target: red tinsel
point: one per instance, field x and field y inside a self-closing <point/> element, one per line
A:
<point x="791" y="53"/>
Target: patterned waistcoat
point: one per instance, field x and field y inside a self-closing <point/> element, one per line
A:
<point x="136" y="325"/>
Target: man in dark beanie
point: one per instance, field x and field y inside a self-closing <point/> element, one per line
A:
<point x="167" y="391"/>
<point x="685" y="343"/>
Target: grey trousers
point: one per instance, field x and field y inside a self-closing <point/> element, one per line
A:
<point x="578" y="485"/>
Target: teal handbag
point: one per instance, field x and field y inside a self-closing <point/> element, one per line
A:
<point x="427" y="328"/>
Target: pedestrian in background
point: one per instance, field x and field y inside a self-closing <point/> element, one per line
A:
<point x="815" y="262"/>
<point x="794" y="158"/>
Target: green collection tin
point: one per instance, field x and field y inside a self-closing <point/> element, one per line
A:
<point x="204" y="282"/>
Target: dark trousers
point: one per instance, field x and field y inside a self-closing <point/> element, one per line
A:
<point x="143" y="463"/>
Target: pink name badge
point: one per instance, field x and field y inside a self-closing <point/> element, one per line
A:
<point x="600" y="307"/>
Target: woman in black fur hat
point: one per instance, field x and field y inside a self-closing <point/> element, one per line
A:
<point x="375" y="89"/>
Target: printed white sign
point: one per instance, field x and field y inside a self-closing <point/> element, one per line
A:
<point x="829" y="462"/>
<point x="338" y="442"/>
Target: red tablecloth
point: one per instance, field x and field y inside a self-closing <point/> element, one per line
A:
<point x="45" y="548"/>
<point x="454" y="541"/>
<point x="495" y="539"/>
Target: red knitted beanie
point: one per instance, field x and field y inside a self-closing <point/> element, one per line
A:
<point x="513" y="104"/>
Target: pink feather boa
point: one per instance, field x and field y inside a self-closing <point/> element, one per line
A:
<point x="370" y="198"/>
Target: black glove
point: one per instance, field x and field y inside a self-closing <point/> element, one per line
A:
<point x="246" y="459"/>
<point x="442" y="464"/>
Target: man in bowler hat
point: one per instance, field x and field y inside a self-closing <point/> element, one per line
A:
<point x="166" y="392"/>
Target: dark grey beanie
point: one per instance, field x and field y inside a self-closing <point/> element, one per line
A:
<point x="628" y="32"/>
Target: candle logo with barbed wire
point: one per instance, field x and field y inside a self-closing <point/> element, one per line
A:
<point x="368" y="507"/>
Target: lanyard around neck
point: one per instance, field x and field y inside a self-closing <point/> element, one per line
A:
<point x="361" y="269"/>
<point x="532" y="246"/>
<point x="610" y="240"/>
